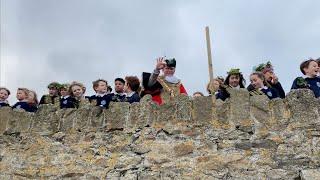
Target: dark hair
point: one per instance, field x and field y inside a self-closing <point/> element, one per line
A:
<point x="198" y="92"/>
<point x="119" y="79"/>
<point x="305" y="64"/>
<point x="3" y="88"/>
<point x="96" y="83"/>
<point x="318" y="61"/>
<point x="133" y="82"/>
<point x="109" y="88"/>
<point x="242" y="81"/>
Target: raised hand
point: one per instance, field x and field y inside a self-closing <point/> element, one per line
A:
<point x="160" y="63"/>
<point x="274" y="79"/>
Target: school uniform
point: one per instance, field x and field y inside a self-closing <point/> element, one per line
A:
<point x="118" y="97"/>
<point x="278" y="87"/>
<point x="102" y="100"/>
<point x="33" y="107"/>
<point x="132" y="97"/>
<point x="223" y="94"/>
<point x="67" y="102"/>
<point x="270" y="92"/>
<point x="308" y="82"/>
<point x="24" y="105"/>
<point x="4" y="104"/>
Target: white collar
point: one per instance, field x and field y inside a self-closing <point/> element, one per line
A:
<point x="172" y="79"/>
<point x="264" y="87"/>
<point x="5" y="101"/>
<point x="100" y="95"/>
<point x="65" y="97"/>
<point x="130" y="94"/>
<point x="305" y="76"/>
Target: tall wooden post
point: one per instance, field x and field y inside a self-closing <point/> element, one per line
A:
<point x="209" y="54"/>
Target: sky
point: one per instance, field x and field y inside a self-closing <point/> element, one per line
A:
<point x="83" y="40"/>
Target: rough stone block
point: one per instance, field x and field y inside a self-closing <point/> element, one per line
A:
<point x="310" y="174"/>
<point x="46" y="121"/>
<point x="303" y="106"/>
<point x="5" y="114"/>
<point x="20" y="121"/>
<point x="117" y="115"/>
<point x="202" y="110"/>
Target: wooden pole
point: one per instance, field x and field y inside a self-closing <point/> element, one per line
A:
<point x="213" y="96"/>
<point x="209" y="54"/>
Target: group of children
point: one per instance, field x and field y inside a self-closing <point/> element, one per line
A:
<point x="163" y="87"/>
<point x="72" y="95"/>
<point x="264" y="81"/>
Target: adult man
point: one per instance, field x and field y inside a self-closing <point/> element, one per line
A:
<point x="163" y="87"/>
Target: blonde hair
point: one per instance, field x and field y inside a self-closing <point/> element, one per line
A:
<point x="35" y="97"/>
<point x="74" y="83"/>
<point x="25" y="90"/>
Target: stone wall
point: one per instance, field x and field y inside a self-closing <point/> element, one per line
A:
<point x="245" y="137"/>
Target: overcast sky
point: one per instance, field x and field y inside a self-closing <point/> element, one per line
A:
<point x="83" y="40"/>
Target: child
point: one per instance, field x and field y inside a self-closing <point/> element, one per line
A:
<point x="22" y="96"/>
<point x="271" y="79"/>
<point x="119" y="95"/>
<point x="33" y="100"/>
<point x="214" y="86"/>
<point x="53" y="96"/>
<point x="77" y="91"/>
<point x="258" y="83"/>
<point x="4" y="94"/>
<point x="66" y="101"/>
<point x="131" y="87"/>
<point x="310" y="70"/>
<point x="102" y="98"/>
<point x="234" y="80"/>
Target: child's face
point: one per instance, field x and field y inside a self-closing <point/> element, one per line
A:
<point x="31" y="97"/>
<point x="256" y="82"/>
<point x="3" y="95"/>
<point x="215" y="85"/>
<point x="77" y="91"/>
<point x="64" y="92"/>
<point x="312" y="70"/>
<point x="118" y="86"/>
<point x="101" y="88"/>
<point x="234" y="80"/>
<point x="21" y="95"/>
<point x="53" y="91"/>
<point x="126" y="88"/>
